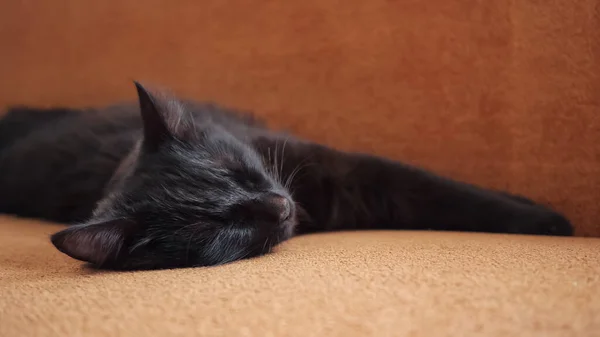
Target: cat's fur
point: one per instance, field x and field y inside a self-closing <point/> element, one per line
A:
<point x="191" y="184"/>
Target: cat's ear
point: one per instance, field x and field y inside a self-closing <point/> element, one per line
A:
<point x="163" y="118"/>
<point x="97" y="243"/>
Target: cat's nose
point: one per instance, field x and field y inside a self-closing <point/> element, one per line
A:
<point x="282" y="205"/>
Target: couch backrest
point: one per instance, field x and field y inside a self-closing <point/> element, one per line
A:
<point x="499" y="93"/>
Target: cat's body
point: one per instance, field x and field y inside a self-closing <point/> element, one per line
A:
<point x="190" y="184"/>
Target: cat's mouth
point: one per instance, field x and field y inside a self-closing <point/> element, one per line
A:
<point x="285" y="230"/>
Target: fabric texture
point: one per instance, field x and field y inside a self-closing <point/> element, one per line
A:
<point x="337" y="284"/>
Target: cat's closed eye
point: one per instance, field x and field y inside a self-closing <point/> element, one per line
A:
<point x="248" y="178"/>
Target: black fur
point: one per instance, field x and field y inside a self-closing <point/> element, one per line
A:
<point x="191" y="184"/>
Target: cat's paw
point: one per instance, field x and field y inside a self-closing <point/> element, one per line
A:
<point x="546" y="223"/>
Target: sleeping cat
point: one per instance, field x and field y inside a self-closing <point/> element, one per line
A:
<point x="192" y="184"/>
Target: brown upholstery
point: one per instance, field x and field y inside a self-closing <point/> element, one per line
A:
<point x="501" y="93"/>
<point x="342" y="284"/>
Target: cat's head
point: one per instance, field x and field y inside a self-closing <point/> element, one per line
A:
<point x="188" y="195"/>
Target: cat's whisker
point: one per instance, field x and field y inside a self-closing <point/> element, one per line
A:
<point x="276" y="164"/>
<point x="195" y="130"/>
<point x="269" y="165"/>
<point x="186" y="227"/>
<point x="291" y="177"/>
<point x="282" y="157"/>
<point x="303" y="164"/>
<point x="278" y="237"/>
<point x="265" y="244"/>
<point x="295" y="171"/>
<point x="189" y="244"/>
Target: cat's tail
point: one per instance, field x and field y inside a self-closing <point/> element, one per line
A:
<point x="17" y="122"/>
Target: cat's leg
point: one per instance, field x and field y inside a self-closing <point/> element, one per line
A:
<point x="341" y="190"/>
<point x="518" y="198"/>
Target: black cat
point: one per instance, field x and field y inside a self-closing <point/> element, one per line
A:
<point x="196" y="185"/>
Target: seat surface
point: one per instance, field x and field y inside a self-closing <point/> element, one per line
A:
<point x="334" y="284"/>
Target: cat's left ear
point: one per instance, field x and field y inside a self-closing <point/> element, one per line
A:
<point x="163" y="118"/>
<point x="98" y="243"/>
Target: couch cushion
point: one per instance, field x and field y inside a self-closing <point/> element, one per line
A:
<point x="334" y="284"/>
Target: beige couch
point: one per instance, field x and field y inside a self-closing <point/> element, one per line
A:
<point x="499" y="93"/>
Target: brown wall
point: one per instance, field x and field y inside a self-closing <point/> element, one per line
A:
<point x="501" y="93"/>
